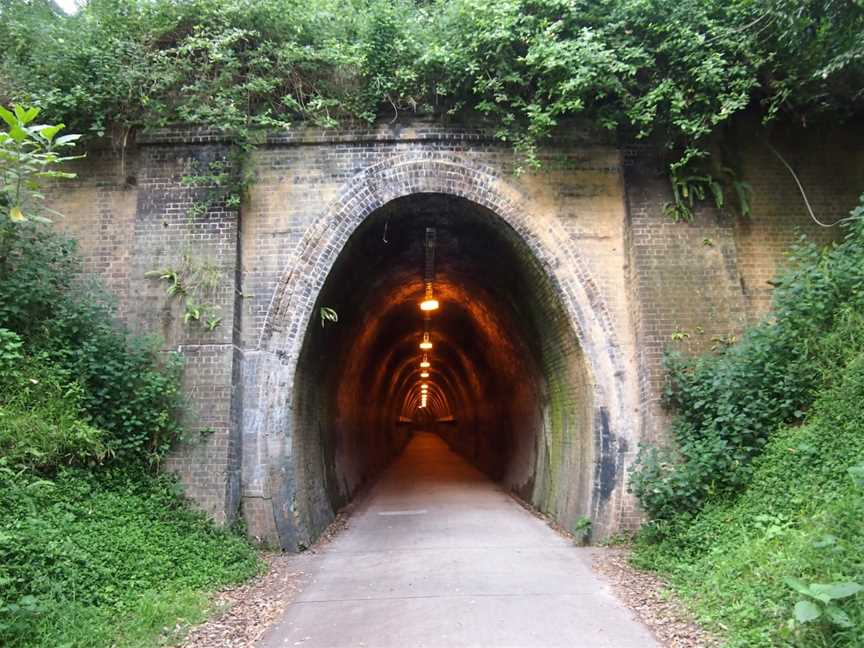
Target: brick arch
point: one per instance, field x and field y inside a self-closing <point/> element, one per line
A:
<point x="291" y="310"/>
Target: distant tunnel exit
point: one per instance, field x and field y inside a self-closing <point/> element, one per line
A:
<point x="507" y="383"/>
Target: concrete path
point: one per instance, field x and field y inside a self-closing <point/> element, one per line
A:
<point x="437" y="556"/>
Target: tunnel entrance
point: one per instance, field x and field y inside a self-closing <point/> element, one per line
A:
<point x="508" y="386"/>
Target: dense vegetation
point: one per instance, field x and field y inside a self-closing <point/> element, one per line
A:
<point x="677" y="71"/>
<point x="96" y="549"/>
<point x="758" y="510"/>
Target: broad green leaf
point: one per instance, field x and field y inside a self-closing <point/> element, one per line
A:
<point x="67" y="139"/>
<point x="836" y="590"/>
<point x="49" y="132"/>
<point x="8" y="117"/>
<point x="25" y="116"/>
<point x="806" y="611"/>
<point x="838" y="616"/>
<point x="17" y="133"/>
<point x="799" y="586"/>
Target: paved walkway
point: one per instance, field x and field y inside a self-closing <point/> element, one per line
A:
<point x="437" y="556"/>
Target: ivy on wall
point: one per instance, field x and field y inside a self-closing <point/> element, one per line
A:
<point x="675" y="72"/>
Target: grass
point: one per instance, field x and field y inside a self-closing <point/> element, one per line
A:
<point x="108" y="558"/>
<point x="802" y="517"/>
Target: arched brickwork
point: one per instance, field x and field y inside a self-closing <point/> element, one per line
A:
<point x="291" y="311"/>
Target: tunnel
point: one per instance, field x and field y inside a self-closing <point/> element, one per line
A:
<point x="507" y="385"/>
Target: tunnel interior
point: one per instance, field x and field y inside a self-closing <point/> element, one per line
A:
<point x="508" y="386"/>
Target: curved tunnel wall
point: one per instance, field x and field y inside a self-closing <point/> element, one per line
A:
<point x="508" y="387"/>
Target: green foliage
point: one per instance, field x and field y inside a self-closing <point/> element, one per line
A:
<point x="195" y="282"/>
<point x="800" y="521"/>
<point x="224" y="181"/>
<point x="820" y="602"/>
<point x="730" y="403"/>
<point x="28" y="157"/>
<point x="94" y="548"/>
<point x="582" y="529"/>
<point x="41" y="414"/>
<point x="758" y="512"/>
<point x="127" y="389"/>
<point x="673" y="71"/>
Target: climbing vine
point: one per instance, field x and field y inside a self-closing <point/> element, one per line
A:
<point x="673" y="73"/>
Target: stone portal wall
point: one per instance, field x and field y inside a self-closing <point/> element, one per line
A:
<point x="595" y="210"/>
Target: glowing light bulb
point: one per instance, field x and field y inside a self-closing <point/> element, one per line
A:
<point x="424" y="364"/>
<point x="426" y="344"/>
<point x="429" y="302"/>
<point x="424" y="374"/>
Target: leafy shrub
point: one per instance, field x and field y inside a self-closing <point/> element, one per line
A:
<point x="126" y="389"/>
<point x="40" y="413"/>
<point x="729" y="404"/>
<point x="92" y="552"/>
<point x="758" y="512"/>
<point x="800" y="520"/>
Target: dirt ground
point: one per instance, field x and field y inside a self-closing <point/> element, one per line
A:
<point x="651" y="601"/>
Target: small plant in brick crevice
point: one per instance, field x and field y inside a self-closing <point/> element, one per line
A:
<point x="195" y="282"/>
<point x="225" y="180"/>
<point x="328" y="315"/>
<point x="582" y="530"/>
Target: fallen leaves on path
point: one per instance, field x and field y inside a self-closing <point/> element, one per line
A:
<point x="248" y="610"/>
<point x="650" y="599"/>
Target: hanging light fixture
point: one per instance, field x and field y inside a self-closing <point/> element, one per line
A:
<point x="429" y="302"/>
<point x="426" y="344"/>
<point x="424" y="364"/>
<point x="424" y="374"/>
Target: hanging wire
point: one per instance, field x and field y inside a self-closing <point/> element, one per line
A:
<point x="429" y="271"/>
<point x="801" y="189"/>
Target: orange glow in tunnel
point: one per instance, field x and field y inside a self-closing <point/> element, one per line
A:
<point x="502" y="367"/>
